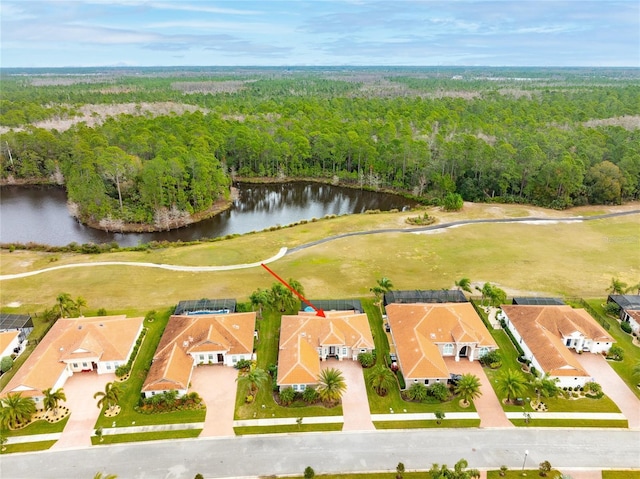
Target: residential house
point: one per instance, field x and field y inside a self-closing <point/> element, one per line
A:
<point x="425" y="333"/>
<point x="547" y="334"/>
<point x="17" y="322"/>
<point x="629" y="305"/>
<point x="198" y="339"/>
<point x="307" y="339"/>
<point x="75" y="345"/>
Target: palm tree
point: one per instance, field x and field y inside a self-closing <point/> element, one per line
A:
<point x="381" y="379"/>
<point x="16" y="410"/>
<point x="260" y="299"/>
<point x="80" y="303"/>
<point x="65" y="304"/>
<point x="616" y="286"/>
<point x="281" y="297"/>
<point x="464" y="285"/>
<point x="511" y="382"/>
<point x="100" y="475"/>
<point x="636" y="369"/>
<point x="633" y="287"/>
<point x="545" y="386"/>
<point x="418" y="392"/>
<point x="253" y="379"/>
<point x="383" y="285"/>
<point x="52" y="398"/>
<point x="109" y="397"/>
<point x="331" y="385"/>
<point x="468" y="388"/>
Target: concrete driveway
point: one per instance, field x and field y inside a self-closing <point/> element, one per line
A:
<point x="79" y="390"/>
<point x="355" y="404"/>
<point x="217" y="387"/>
<point x="488" y="405"/>
<point x="614" y="387"/>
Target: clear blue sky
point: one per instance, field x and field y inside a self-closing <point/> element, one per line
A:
<point x="59" y="33"/>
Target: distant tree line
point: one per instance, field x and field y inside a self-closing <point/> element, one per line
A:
<point x="529" y="146"/>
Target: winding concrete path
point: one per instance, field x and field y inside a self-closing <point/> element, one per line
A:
<point x="286" y="251"/>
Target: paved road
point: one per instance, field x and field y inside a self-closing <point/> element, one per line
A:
<point x="333" y="452"/>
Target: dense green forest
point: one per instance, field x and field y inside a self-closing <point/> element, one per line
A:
<point x="548" y="137"/>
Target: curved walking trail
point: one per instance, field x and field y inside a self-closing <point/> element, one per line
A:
<point x="285" y="251"/>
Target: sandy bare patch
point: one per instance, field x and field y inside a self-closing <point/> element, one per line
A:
<point x="628" y="122"/>
<point x="14" y="304"/>
<point x="94" y="115"/>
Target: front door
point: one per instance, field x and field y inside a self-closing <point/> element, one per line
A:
<point x="332" y="350"/>
<point x="464" y="351"/>
<point x="220" y="358"/>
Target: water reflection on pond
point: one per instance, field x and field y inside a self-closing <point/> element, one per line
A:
<point x="40" y="215"/>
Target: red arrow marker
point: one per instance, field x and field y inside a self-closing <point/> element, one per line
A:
<point x="319" y="312"/>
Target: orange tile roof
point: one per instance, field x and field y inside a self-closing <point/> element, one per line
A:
<point x="417" y="329"/>
<point x="6" y="338"/>
<point x="106" y="338"/>
<point x="301" y="335"/>
<point x="224" y="333"/>
<point x="542" y="329"/>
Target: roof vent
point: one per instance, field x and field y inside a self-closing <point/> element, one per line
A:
<point x="185" y="344"/>
<point x="235" y="326"/>
<point x="101" y="325"/>
<point x="80" y="326"/>
<point x="433" y="336"/>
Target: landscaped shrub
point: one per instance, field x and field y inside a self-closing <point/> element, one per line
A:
<point x="6" y="363"/>
<point x="417" y="392"/>
<point x="287" y="396"/>
<point x="626" y="327"/>
<point x="366" y="360"/>
<point x="439" y="391"/>
<point x="122" y="371"/>
<point x="612" y="308"/>
<point x="401" y="382"/>
<point x="310" y="395"/>
<point x="616" y="353"/>
<point x="490" y="358"/>
<point x="242" y="364"/>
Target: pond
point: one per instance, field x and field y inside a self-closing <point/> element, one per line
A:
<point x="40" y="215"/>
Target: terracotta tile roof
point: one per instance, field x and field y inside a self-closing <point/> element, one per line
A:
<point x="103" y="338"/>
<point x="418" y="328"/>
<point x="6" y="338"/>
<point x="302" y="335"/>
<point x="635" y="315"/>
<point x="207" y="333"/>
<point x="542" y="329"/>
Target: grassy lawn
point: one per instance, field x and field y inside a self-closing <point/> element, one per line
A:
<point x="28" y="447"/>
<point x="544" y="259"/>
<point x="571" y="423"/>
<point x="620" y="474"/>
<point x="39" y="427"/>
<point x="445" y="423"/>
<point x="518" y="474"/>
<point x="624" y="368"/>
<point x="146" y="436"/>
<point x="247" y="430"/>
<point x="130" y="389"/>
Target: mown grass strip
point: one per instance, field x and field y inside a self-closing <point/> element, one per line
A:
<point x="145" y="436"/>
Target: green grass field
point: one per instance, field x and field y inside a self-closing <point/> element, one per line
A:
<point x="519" y="257"/>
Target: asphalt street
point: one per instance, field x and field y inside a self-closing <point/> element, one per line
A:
<point x="332" y="452"/>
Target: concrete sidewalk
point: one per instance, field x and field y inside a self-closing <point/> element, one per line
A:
<point x="112" y="431"/>
<point x="605" y="416"/>
<point x="33" y="438"/>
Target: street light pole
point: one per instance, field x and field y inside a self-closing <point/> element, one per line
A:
<point x="526" y="453"/>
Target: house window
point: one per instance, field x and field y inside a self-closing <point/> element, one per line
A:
<point x="303" y="387"/>
<point x="210" y="358"/>
<point x="363" y="350"/>
<point x="344" y="351"/>
<point x="84" y="365"/>
<point x="295" y="387"/>
<point x="108" y="366"/>
<point x="234" y="359"/>
<point x="483" y="352"/>
<point x="426" y="381"/>
<point x="75" y="365"/>
<point x="201" y="357"/>
<point x="447" y="349"/>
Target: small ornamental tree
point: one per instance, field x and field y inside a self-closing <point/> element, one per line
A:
<point x="616" y="353"/>
<point x="452" y="202"/>
<point x="309" y="473"/>
<point x="545" y="468"/>
<point x="287" y="395"/>
<point x="6" y="363"/>
<point x="399" y="470"/>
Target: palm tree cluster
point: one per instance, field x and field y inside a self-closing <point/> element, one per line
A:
<point x="277" y="297"/>
<point x="109" y="397"/>
<point x="383" y="285"/>
<point x="468" y="388"/>
<point x="381" y="379"/>
<point x="52" y="399"/>
<point x="511" y="383"/>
